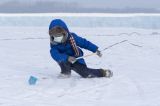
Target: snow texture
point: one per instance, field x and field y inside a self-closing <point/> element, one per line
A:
<point x="135" y="63"/>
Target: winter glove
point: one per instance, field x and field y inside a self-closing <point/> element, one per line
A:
<point x="99" y="53"/>
<point x="72" y="59"/>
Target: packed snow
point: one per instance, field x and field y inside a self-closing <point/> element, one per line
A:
<point x="136" y="63"/>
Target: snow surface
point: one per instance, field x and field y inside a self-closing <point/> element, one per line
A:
<point x="136" y="66"/>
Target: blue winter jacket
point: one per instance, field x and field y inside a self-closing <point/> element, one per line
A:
<point x="61" y="51"/>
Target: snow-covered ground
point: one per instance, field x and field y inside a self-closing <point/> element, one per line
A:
<point x="24" y="51"/>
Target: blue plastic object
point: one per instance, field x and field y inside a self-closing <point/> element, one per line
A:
<point x="32" y="80"/>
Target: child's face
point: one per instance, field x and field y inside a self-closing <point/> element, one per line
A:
<point x="58" y="35"/>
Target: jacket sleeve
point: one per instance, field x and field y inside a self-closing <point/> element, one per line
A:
<point x="83" y="43"/>
<point x="59" y="57"/>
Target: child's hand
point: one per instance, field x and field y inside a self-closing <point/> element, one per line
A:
<point x="72" y="59"/>
<point x="99" y="53"/>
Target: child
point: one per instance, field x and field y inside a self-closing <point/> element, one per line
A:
<point x="66" y="47"/>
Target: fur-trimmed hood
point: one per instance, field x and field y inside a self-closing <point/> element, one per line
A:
<point x="60" y="23"/>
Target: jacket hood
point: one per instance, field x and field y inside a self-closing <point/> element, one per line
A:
<point x="58" y="22"/>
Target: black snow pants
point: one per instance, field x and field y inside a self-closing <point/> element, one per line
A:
<point x="81" y="69"/>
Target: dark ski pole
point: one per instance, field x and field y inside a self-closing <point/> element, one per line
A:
<point x="113" y="45"/>
<point x="103" y="49"/>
